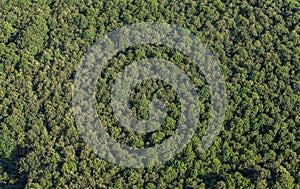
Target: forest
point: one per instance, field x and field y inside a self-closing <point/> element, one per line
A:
<point x="256" y="45"/>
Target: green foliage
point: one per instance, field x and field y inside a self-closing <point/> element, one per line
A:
<point x="7" y="145"/>
<point x="255" y="42"/>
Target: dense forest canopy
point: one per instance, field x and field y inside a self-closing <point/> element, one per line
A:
<point x="256" y="44"/>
